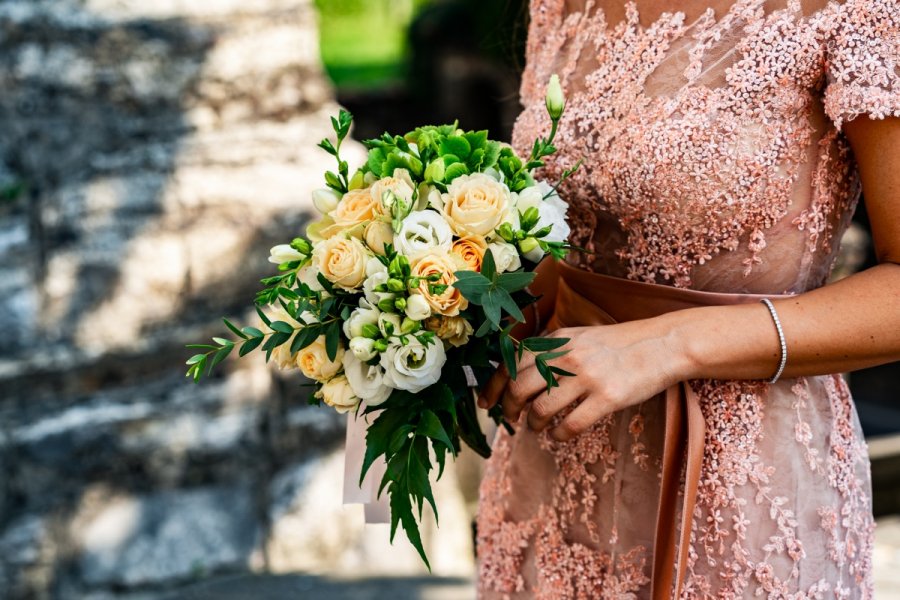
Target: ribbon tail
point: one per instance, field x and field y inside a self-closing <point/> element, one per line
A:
<point x="377" y="510"/>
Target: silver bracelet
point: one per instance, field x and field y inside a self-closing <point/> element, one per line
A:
<point x="781" y="340"/>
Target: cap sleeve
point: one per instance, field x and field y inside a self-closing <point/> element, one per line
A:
<point x="862" y="55"/>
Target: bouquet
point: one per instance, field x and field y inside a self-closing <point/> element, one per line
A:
<point x="403" y="297"/>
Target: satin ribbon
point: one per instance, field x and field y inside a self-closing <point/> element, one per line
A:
<point x="584" y="299"/>
<point x="376" y="510"/>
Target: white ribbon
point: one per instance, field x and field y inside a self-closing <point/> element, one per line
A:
<point x="377" y="510"/>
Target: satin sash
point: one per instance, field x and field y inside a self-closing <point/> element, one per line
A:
<point x="585" y="298"/>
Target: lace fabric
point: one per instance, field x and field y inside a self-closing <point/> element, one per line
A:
<point x="713" y="160"/>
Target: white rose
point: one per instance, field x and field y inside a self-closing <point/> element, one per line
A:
<point x="385" y="319"/>
<point x="376" y="274"/>
<point x="367" y="381"/>
<point x="363" y="348"/>
<point x="366" y="314"/>
<point x="423" y="231"/>
<point x="283" y="253"/>
<point x="551" y="211"/>
<point x="417" y="308"/>
<point x="338" y="393"/>
<point x="325" y="200"/>
<point x="413" y="367"/>
<point x="506" y="256"/>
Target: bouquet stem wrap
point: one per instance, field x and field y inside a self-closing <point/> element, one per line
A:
<point x="377" y="510"/>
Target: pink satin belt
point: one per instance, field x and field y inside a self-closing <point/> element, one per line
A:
<point x="585" y="298"/>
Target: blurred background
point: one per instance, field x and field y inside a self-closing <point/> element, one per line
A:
<point x="150" y="154"/>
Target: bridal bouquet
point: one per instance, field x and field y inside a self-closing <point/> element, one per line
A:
<point x="403" y="296"/>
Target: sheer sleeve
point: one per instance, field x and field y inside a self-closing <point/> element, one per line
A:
<point x="863" y="61"/>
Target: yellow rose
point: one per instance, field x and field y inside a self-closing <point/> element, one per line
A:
<point x="471" y="249"/>
<point x="338" y="393"/>
<point x="450" y="301"/>
<point x="342" y="261"/>
<point x="357" y="206"/>
<point x="313" y="361"/>
<point x="475" y="204"/>
<point x="455" y="330"/>
<point x="377" y="234"/>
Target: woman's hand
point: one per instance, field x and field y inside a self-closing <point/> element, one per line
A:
<point x="616" y="366"/>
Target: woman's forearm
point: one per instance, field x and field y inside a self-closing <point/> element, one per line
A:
<point x="848" y="325"/>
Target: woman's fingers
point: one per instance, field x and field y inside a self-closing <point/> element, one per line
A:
<point x="546" y="406"/>
<point x="492" y="392"/>
<point x="582" y="418"/>
<point x="527" y="386"/>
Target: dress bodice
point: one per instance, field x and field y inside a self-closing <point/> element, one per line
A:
<point x="713" y="153"/>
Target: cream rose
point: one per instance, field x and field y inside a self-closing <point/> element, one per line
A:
<point x="400" y="184"/>
<point x="367" y="381"/>
<point x="342" y="261"/>
<point x="454" y="330"/>
<point x="313" y="361"/>
<point x="423" y="231"/>
<point x="475" y="204"/>
<point x="413" y="367"/>
<point x="377" y="234"/>
<point x="356" y="207"/>
<point x="450" y="301"/>
<point x="471" y="250"/>
<point x="339" y="394"/>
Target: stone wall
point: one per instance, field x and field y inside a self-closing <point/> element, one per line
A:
<point x="150" y="154"/>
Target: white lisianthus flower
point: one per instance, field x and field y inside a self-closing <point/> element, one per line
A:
<point x="376" y="274"/>
<point x="283" y="253"/>
<point x="531" y="250"/>
<point x="366" y="314"/>
<point x="552" y="210"/>
<point x="338" y="393"/>
<point x="367" y="381"/>
<point x="413" y="367"/>
<point x="417" y="308"/>
<point x="325" y="200"/>
<point x="421" y="232"/>
<point x="363" y="348"/>
<point x="506" y="256"/>
<point x="389" y="324"/>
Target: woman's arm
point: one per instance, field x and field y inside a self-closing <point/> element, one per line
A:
<point x="848" y="325"/>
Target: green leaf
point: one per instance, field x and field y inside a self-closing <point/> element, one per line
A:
<point x="234" y="329"/>
<point x="332" y="340"/>
<point x="281" y="326"/>
<point x="515" y="281"/>
<point x="456" y="145"/>
<point x="542" y="344"/>
<point x="252" y="332"/>
<point x="305" y="336"/>
<point x="195" y="359"/>
<point x="417" y="473"/>
<point x="477" y="139"/>
<point x="376" y="161"/>
<point x="250" y="345"/>
<point x="491" y="154"/>
<point x="221" y="355"/>
<point x="551" y="355"/>
<point x="508" y="351"/>
<point x="488" y="266"/>
<point x="454" y="171"/>
<point x="471" y="285"/>
<point x="378" y="435"/>
<point x="491" y="303"/>
<point x="431" y="427"/>
<point x="508" y="304"/>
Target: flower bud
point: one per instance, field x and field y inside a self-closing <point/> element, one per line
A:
<point x="410" y="326"/>
<point x="371" y="331"/>
<point x="380" y="345"/>
<point x="530" y="218"/>
<point x="506" y="232"/>
<point x="417" y="307"/>
<point x="400" y="304"/>
<point x="386" y="304"/>
<point x="389" y="324"/>
<point x="555" y="100"/>
<point x="531" y="249"/>
<point x="325" y="200"/>
<point x="435" y="170"/>
<point x="357" y="181"/>
<point x="302" y="246"/>
<point x="363" y="348"/>
<point x="395" y="285"/>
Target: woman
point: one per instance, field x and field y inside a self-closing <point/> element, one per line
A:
<point x="724" y="148"/>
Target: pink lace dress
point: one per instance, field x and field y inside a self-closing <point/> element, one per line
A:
<point x="714" y="160"/>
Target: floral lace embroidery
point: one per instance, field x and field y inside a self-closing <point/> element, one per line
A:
<point x="713" y="160"/>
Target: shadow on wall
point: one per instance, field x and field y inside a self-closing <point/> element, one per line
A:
<point x="163" y="149"/>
